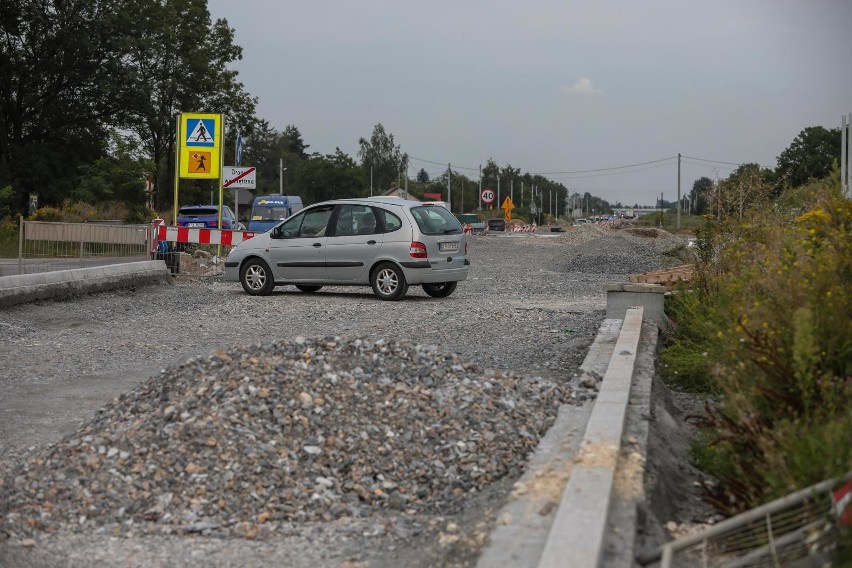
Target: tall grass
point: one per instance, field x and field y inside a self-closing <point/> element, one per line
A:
<point x="768" y="327"/>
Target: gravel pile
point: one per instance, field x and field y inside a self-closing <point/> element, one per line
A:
<point x="300" y="430"/>
<point x="599" y="249"/>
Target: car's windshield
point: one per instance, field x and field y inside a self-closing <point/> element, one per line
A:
<point x="260" y="212"/>
<point x="435" y="220"/>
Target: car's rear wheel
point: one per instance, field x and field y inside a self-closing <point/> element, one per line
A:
<point x="388" y="282"/>
<point x="256" y="278"/>
<point x="308" y="289"/>
<point x="440" y="290"/>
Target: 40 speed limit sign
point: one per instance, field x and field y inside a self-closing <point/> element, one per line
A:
<point x="488" y="195"/>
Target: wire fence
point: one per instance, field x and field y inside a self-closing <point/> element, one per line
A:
<point x="800" y="530"/>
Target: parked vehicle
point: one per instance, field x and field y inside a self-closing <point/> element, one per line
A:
<point x="472" y="219"/>
<point x="497" y="224"/>
<point x="383" y="243"/>
<point x="268" y="210"/>
<point x="207" y="217"/>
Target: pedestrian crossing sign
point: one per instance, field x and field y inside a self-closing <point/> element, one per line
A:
<point x="201" y="132"/>
<point x="199" y="141"/>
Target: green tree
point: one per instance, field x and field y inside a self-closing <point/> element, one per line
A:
<point x="701" y="190"/>
<point x="381" y="159"/>
<point x="178" y="61"/>
<point x="61" y="81"/>
<point x="293" y="142"/>
<point x="747" y="188"/>
<point x="120" y="176"/>
<point x="329" y="177"/>
<point x="810" y="156"/>
<point x="422" y="176"/>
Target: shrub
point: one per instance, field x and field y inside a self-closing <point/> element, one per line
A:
<point x="768" y="326"/>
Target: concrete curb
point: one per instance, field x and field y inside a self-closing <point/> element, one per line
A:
<point x="578" y="502"/>
<point x="579" y="530"/>
<point x="23" y="288"/>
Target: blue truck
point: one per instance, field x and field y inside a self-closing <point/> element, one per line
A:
<point x="269" y="210"/>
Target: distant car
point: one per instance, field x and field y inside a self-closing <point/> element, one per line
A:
<point x="497" y="224"/>
<point x="207" y="217"/>
<point x="383" y="243"/>
<point x="472" y="219"/>
<point x="268" y="210"/>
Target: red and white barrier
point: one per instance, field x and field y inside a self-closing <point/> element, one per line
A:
<point x="224" y="237"/>
<point x="523" y="228"/>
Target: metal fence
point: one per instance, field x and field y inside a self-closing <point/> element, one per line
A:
<point x="47" y="246"/>
<point x="799" y="530"/>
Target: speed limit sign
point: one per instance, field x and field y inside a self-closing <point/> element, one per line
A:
<point x="488" y="195"/>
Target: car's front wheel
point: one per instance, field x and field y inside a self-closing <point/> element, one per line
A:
<point x="256" y="278"/>
<point x="308" y="289"/>
<point x="441" y="290"/>
<point x="388" y="282"/>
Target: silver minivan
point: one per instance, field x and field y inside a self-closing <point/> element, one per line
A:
<point x="386" y="244"/>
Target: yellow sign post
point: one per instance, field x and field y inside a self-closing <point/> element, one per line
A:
<point x="200" y="141"/>
<point x="507" y="207"/>
<point x="200" y="146"/>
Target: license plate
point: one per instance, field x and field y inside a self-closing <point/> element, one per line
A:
<point x="195" y="225"/>
<point x="448" y="247"/>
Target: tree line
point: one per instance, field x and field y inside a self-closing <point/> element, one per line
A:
<point x="812" y="155"/>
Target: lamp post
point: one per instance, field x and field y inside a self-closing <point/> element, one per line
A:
<point x="281" y="171"/>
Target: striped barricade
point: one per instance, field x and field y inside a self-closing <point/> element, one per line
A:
<point x="224" y="237"/>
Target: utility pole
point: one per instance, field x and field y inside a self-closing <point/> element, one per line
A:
<point x="449" y="186"/>
<point x="677" y="225"/>
<point x="371" y="180"/>
<point x="479" y="199"/>
<point x="498" y="189"/>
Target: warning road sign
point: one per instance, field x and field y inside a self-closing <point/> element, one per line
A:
<point x="199" y="162"/>
<point x="200" y="149"/>
<point x="201" y="132"/>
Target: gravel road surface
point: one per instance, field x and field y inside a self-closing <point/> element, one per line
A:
<point x="514" y="332"/>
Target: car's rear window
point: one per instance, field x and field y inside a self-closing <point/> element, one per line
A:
<point x="435" y="220"/>
<point x="199" y="211"/>
<point x="468" y="218"/>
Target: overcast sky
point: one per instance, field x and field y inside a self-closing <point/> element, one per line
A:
<point x="552" y="86"/>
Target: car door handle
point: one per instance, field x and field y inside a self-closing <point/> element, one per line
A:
<point x="317" y="245"/>
<point x="371" y="242"/>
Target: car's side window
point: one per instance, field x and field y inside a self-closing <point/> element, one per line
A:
<point x="355" y="220"/>
<point x="311" y="223"/>
<point x="315" y="222"/>
<point x="391" y="221"/>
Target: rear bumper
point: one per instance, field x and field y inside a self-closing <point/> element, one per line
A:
<point x="429" y="275"/>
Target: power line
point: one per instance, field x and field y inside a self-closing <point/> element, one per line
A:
<point x="709" y="165"/>
<point x="605" y="169"/>
<point x="443" y="164"/>
<point x="713" y="161"/>
<point x="614" y="170"/>
<point x="608" y="173"/>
